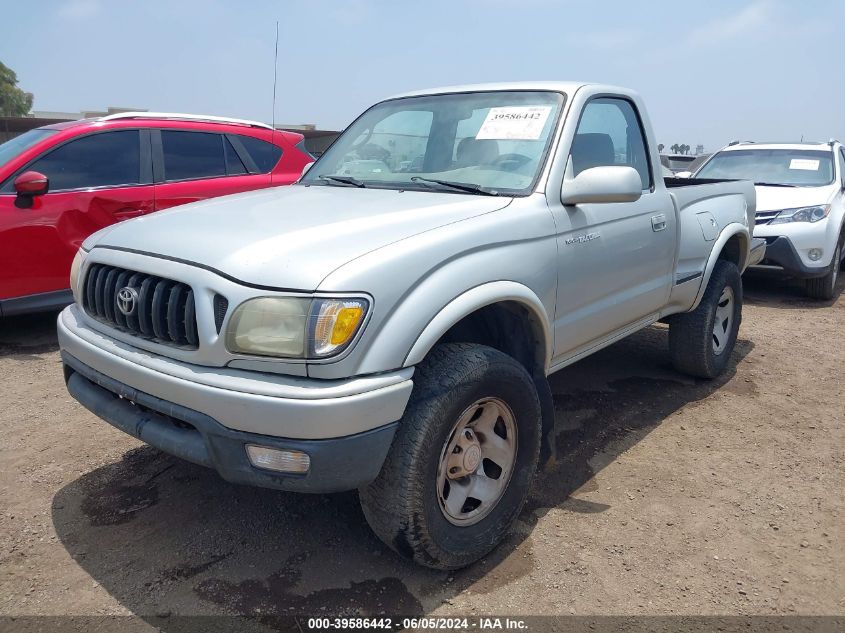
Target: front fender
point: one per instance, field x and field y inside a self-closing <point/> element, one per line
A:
<point x="398" y="345"/>
<point x="475" y="299"/>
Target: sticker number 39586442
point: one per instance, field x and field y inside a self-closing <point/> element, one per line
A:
<point x="517" y="123"/>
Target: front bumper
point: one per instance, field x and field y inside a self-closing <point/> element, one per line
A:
<point x="336" y="464"/>
<point x="781" y="252"/>
<point x="206" y="415"/>
<point x="254" y="402"/>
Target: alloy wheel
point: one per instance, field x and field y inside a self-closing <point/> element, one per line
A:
<point x="477" y="461"/>
<point x="724" y="320"/>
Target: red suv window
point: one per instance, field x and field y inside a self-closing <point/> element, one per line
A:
<point x="265" y="154"/>
<point x="192" y="155"/>
<point x="107" y="159"/>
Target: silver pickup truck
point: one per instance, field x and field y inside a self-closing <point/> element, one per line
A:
<point x="389" y="322"/>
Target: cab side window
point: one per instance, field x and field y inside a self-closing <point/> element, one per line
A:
<point x="610" y="133"/>
<point x="108" y="159"/>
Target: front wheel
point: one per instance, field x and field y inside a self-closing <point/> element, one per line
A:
<point x="701" y="341"/>
<point x="463" y="459"/>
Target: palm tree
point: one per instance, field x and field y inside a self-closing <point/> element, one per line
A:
<point x="660" y="147"/>
<point x="674" y="148"/>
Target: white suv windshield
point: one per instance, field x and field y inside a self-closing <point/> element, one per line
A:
<point x="794" y="167"/>
<point x="483" y="142"/>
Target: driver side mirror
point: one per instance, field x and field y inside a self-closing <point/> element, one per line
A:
<point x="603" y="184"/>
<point x="28" y="185"/>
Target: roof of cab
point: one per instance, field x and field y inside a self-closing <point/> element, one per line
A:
<point x="568" y="87"/>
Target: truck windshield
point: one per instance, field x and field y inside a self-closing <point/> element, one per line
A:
<point x="15" y="146"/>
<point x="471" y="143"/>
<point x="794" y="167"/>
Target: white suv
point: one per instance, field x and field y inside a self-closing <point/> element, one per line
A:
<point x="800" y="204"/>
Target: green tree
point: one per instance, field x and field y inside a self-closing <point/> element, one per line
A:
<point x="660" y="148"/>
<point x="13" y="100"/>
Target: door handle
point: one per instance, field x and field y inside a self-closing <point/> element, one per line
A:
<point x="658" y="222"/>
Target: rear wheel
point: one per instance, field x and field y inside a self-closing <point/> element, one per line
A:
<point x="462" y="461"/>
<point x="824" y="288"/>
<point x="701" y="341"/>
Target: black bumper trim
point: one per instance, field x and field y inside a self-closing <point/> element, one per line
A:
<point x="337" y="464"/>
<point x="780" y="252"/>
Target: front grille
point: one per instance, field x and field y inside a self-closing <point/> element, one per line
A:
<point x="162" y="310"/>
<point x="764" y="217"/>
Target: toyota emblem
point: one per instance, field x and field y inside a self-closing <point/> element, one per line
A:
<point x="127" y="300"/>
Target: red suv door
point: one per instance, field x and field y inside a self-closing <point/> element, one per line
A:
<point x="95" y="180"/>
<point x="193" y="165"/>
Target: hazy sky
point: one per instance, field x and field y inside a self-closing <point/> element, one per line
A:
<point x="709" y="71"/>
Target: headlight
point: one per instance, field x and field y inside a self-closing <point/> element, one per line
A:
<point x="269" y="326"/>
<point x="75" y="267"/>
<point x="295" y="327"/>
<point x="803" y="214"/>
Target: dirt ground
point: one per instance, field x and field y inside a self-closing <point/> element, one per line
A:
<point x="670" y="496"/>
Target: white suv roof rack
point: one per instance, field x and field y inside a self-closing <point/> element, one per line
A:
<point x="176" y="116"/>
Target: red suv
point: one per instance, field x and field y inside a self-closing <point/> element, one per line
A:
<point x="60" y="183"/>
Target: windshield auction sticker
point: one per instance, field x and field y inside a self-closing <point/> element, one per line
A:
<point x="514" y="123"/>
<point x="804" y="163"/>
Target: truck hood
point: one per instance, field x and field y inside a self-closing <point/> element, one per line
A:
<point x="292" y="237"/>
<point x="774" y="198"/>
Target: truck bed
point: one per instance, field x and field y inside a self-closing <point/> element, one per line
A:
<point x="704" y="207"/>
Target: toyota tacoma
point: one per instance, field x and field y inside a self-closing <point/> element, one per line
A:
<point x="388" y="323"/>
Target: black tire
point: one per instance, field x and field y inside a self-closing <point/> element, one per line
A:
<point x="402" y="505"/>
<point x="824" y="288"/>
<point x="691" y="335"/>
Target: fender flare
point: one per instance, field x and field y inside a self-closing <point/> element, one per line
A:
<point x="730" y="230"/>
<point x="475" y="299"/>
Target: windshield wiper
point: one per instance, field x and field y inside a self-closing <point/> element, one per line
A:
<point x="346" y="180"/>
<point x="461" y="186"/>
<point x="773" y="184"/>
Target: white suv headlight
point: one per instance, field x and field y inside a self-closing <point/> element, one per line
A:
<point x="295" y="327"/>
<point x="802" y="214"/>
